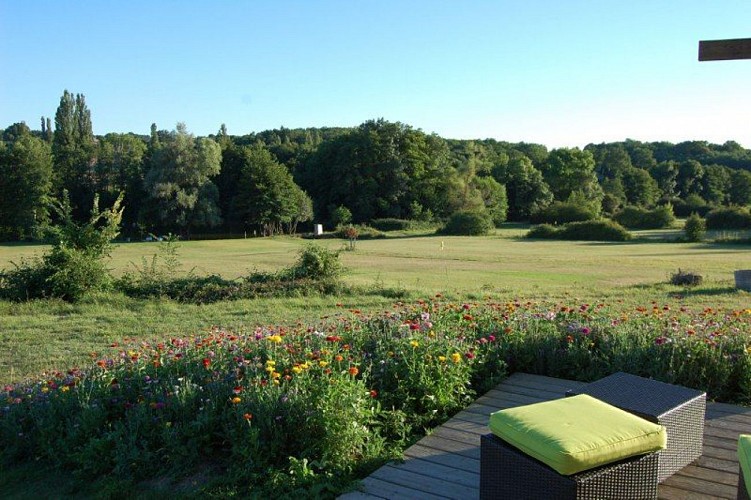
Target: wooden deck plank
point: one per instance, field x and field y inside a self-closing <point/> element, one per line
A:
<point x="453" y="450"/>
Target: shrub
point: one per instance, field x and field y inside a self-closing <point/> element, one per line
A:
<point x="316" y="262"/>
<point x="641" y="218"/>
<point x="363" y="232"/>
<point x="685" y="278"/>
<point x="468" y="223"/>
<point x="543" y="231"/>
<point x="75" y="264"/>
<point x="390" y="224"/>
<point x="693" y="203"/>
<point x="728" y="218"/>
<point x="341" y="216"/>
<point x="694" y="229"/>
<point x="594" y="230"/>
<point x="561" y="212"/>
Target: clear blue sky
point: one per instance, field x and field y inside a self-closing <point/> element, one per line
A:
<point x="557" y="72"/>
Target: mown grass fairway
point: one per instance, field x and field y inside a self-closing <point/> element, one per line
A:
<point x="55" y="335"/>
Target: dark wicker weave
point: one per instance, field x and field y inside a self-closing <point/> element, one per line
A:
<point x="742" y="491"/>
<point x="507" y="473"/>
<point x="679" y="409"/>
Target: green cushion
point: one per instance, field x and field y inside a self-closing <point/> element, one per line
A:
<point x="577" y="433"/>
<point x="744" y="458"/>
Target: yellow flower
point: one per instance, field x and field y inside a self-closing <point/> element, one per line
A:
<point x="296" y="370"/>
<point x="276" y="382"/>
<point x="45" y="389"/>
<point x="275" y="375"/>
<point x="442" y="359"/>
<point x="277" y="339"/>
<point x="236" y="400"/>
<point x="456" y="357"/>
<point x="414" y="343"/>
<point x="323" y="364"/>
<point x="270" y="362"/>
<point x="431" y="334"/>
<point x="65" y="388"/>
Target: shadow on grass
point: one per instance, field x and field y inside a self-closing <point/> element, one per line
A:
<point x="702" y="292"/>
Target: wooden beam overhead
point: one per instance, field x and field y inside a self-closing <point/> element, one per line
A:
<point x="722" y="50"/>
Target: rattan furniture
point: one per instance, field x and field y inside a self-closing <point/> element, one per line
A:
<point x="507" y="473"/>
<point x="679" y="409"/>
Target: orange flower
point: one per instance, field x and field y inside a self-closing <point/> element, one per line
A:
<point x="236" y="400"/>
<point x="248" y="416"/>
<point x="338" y="357"/>
<point x="353" y="371"/>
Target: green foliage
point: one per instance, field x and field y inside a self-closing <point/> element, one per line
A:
<point x="693" y="203"/>
<point x="593" y="230"/>
<point x="26" y="173"/>
<point x="341" y="216"/>
<point x="466" y="223"/>
<point x="634" y="217"/>
<point x="728" y="218"/>
<point x="179" y="181"/>
<point x="363" y="232"/>
<point x="543" y="232"/>
<point x="75" y="265"/>
<point x="317" y="271"/>
<point x="562" y="212"/>
<point x="391" y="224"/>
<point x="694" y="228"/>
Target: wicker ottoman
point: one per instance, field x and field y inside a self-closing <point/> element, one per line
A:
<point x="507" y="473"/>
<point x="679" y="409"/>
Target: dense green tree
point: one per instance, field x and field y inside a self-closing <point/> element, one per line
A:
<point x="666" y="175"/>
<point x="613" y="162"/>
<point x="25" y="184"/>
<point x="571" y="169"/>
<point x="740" y="187"/>
<point x="716" y="184"/>
<point x="179" y="181"/>
<point x="640" y="188"/>
<point x="120" y="169"/>
<point x="493" y="196"/>
<point x="268" y="197"/>
<point x="526" y="190"/>
<point x="378" y="170"/>
<point x="690" y="173"/>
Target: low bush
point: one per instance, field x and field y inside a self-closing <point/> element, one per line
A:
<point x="641" y="218"/>
<point x="390" y="224"/>
<point x="75" y="265"/>
<point x="543" y="231"/>
<point x="694" y="228"/>
<point x="561" y="212"/>
<point x="728" y="218"/>
<point x="685" y="278"/>
<point x="693" y="203"/>
<point x="317" y="272"/>
<point x="468" y="223"/>
<point x="363" y="232"/>
<point x="595" y="230"/>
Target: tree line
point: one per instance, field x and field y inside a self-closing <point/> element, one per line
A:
<point x="272" y="181"/>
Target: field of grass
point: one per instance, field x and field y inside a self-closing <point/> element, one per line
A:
<point x="55" y="335"/>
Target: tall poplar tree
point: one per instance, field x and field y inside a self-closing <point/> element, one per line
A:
<point x="74" y="151"/>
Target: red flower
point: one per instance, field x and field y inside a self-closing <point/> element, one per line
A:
<point x="206" y="362"/>
<point x="373" y="393"/>
<point x="237" y="390"/>
<point x="248" y="416"/>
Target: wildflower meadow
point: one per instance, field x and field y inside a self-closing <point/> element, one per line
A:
<point x="309" y="409"/>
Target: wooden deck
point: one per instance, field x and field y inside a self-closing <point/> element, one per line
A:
<point x="446" y="464"/>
